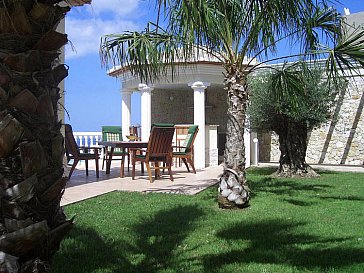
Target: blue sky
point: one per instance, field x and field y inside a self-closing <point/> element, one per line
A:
<point x="92" y="97"/>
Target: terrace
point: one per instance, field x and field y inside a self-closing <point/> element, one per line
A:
<point x="81" y="187"/>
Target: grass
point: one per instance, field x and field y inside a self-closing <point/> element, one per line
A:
<point x="292" y="225"/>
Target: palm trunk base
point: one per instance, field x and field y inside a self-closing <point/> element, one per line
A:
<point x="233" y="192"/>
<point x="290" y="170"/>
<point x="224" y="203"/>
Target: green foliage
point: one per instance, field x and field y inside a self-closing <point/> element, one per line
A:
<point x="231" y="30"/>
<point x="293" y="225"/>
<point x="295" y="92"/>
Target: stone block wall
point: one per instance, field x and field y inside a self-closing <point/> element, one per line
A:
<point x="176" y="106"/>
<point x="339" y="141"/>
<point x="172" y="106"/>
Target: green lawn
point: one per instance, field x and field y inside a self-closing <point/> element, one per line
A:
<point x="292" y="225"/>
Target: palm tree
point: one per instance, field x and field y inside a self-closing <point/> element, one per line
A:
<point x="238" y="33"/>
<point x="32" y="222"/>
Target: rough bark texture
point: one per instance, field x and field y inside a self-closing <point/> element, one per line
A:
<point x="32" y="223"/>
<point x="293" y="147"/>
<point x="233" y="190"/>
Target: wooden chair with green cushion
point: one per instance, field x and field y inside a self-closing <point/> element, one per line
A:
<point x="162" y="125"/>
<point x="77" y="153"/>
<point x="159" y="151"/>
<point x="185" y="151"/>
<point x="114" y="133"/>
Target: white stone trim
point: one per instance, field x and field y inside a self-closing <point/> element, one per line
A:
<point x="146" y="110"/>
<point x="125" y="111"/>
<point x="199" y="119"/>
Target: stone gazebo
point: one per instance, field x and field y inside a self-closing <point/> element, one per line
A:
<point x="195" y="96"/>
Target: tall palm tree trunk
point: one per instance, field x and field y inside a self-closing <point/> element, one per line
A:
<point x="293" y="146"/>
<point x="233" y="189"/>
<point x="32" y="223"/>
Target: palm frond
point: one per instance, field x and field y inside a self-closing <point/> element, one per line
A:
<point x="144" y="53"/>
<point x="347" y="57"/>
<point x="319" y="23"/>
<point x="287" y="85"/>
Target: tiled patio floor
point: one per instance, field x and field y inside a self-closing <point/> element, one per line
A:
<point x="81" y="187"/>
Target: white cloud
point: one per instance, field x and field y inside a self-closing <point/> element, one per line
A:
<point x="117" y="7"/>
<point x="85" y="35"/>
<point x="85" y="25"/>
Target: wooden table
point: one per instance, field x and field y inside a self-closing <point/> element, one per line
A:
<point x="123" y="145"/>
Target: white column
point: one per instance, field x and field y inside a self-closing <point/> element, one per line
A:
<point x="247" y="147"/>
<point x="199" y="119"/>
<point x="125" y="112"/>
<point x="212" y="152"/>
<point x="247" y="143"/>
<point x="254" y="149"/>
<point x="146" y="110"/>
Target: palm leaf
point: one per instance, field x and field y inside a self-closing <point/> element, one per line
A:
<point x="144" y="53"/>
<point x="347" y="57"/>
<point x="319" y="23"/>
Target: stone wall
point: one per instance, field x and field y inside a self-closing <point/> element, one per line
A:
<point x="339" y="141"/>
<point x="172" y="106"/>
<point x="176" y="106"/>
<point x="216" y="110"/>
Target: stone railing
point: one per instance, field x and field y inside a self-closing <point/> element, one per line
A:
<point x="87" y="139"/>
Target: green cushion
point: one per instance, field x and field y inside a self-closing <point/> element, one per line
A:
<point x="179" y="153"/>
<point x="188" y="140"/>
<point x="118" y="151"/>
<point x="162" y="125"/>
<point x="113" y="133"/>
<point x="192" y="129"/>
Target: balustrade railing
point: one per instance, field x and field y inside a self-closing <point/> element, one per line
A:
<point x="87" y="139"/>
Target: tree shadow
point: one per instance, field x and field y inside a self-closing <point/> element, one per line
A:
<point x="343" y="198"/>
<point x="281" y="243"/>
<point x="299" y="203"/>
<point x="261" y="171"/>
<point x="85" y="250"/>
<point x="285" y="186"/>
<point x="156" y="238"/>
<point x="321" y="171"/>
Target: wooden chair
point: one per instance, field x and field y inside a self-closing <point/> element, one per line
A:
<point x="159" y="151"/>
<point x="180" y="136"/>
<point x="134" y="132"/>
<point x="185" y="151"/>
<point x="114" y="133"/>
<point x="77" y="153"/>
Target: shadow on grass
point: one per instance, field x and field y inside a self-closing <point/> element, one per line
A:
<point x="84" y="250"/>
<point x="343" y="198"/>
<point x="321" y="171"/>
<point x="280" y="243"/>
<point x="160" y="235"/>
<point x="299" y="203"/>
<point x="155" y="240"/>
<point x="283" y="186"/>
<point x="261" y="171"/>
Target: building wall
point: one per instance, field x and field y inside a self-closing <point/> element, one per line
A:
<point x="172" y="106"/>
<point x="339" y="141"/>
<point x="176" y="106"/>
<point x="216" y="110"/>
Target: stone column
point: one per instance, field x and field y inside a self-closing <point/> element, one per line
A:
<point x="247" y="141"/>
<point x="199" y="119"/>
<point x="125" y="111"/>
<point x="146" y="110"/>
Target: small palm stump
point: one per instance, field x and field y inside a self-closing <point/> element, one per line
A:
<point x="232" y="194"/>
